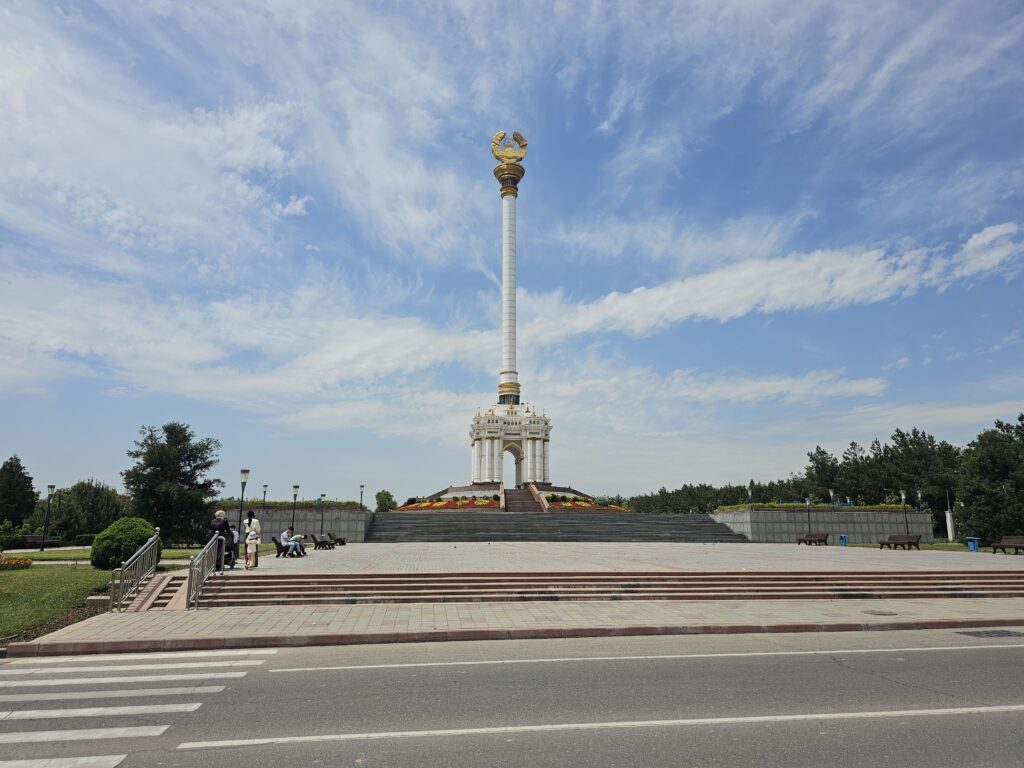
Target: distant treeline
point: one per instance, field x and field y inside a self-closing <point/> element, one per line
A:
<point x="983" y="481"/>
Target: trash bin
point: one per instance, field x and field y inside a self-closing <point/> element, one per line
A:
<point x="972" y="543"/>
<point x="842" y="539"/>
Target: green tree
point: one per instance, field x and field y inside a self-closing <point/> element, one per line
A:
<point x="169" y="482"/>
<point x="385" y="501"/>
<point x="992" y="483"/>
<point x="88" y="506"/>
<point x="822" y="473"/>
<point x="17" y="495"/>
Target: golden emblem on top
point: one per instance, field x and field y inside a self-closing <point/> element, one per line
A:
<point x="503" y="149"/>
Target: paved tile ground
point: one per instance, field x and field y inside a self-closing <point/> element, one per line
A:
<point x="340" y="624"/>
<point x="466" y="557"/>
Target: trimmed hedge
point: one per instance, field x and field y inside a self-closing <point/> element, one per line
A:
<point x="119" y="541"/>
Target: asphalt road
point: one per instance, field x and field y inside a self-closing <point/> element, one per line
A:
<point x="859" y="699"/>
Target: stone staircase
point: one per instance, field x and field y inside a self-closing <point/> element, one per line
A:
<point x="325" y="589"/>
<point x="548" y="526"/>
<point x="519" y="501"/>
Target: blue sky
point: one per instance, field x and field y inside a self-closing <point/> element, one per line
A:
<point x="745" y="229"/>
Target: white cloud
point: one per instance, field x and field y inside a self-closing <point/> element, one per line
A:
<point x="818" y="280"/>
<point x="897" y="365"/>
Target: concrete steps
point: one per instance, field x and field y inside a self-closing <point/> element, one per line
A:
<point x="320" y="589"/>
<point x="168" y="592"/>
<point x="521" y="502"/>
<point x="546" y="526"/>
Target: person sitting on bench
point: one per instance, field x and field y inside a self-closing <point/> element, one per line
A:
<point x="290" y="543"/>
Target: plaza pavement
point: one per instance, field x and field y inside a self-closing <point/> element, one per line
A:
<point x="301" y="625"/>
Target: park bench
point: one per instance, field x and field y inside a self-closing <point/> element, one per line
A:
<point x="282" y="551"/>
<point x="36" y="539"/>
<point x="1017" y="542"/>
<point x="335" y="539"/>
<point x="321" y="543"/>
<point x="901" y="541"/>
<point x="813" y="538"/>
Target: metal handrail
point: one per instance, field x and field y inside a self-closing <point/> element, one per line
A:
<point x="201" y="567"/>
<point x="126" y="581"/>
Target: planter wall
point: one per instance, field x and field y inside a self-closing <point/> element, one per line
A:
<point x="782" y="525"/>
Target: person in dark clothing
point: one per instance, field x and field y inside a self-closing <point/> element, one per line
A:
<point x="219" y="526"/>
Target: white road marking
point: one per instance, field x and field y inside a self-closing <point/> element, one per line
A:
<point x="116" y="680"/>
<point x="136" y="667"/>
<point x="555" y="727"/>
<point x="47" y="714"/>
<point x="142" y="656"/>
<point x="99" y="761"/>
<point x="675" y="656"/>
<point x="122" y="694"/>
<point x="81" y="734"/>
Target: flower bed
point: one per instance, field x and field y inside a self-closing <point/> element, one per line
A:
<point x="465" y="504"/>
<point x="580" y="504"/>
<point x="14" y="563"/>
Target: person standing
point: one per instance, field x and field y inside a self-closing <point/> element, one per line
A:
<point x="252" y="525"/>
<point x="234" y="546"/>
<point x="252" y="548"/>
<point x="219" y="527"/>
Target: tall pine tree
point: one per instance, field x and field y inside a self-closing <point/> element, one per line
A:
<point x="17" y="496"/>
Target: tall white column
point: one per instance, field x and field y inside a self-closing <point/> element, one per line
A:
<point x="472" y="462"/>
<point x="509" y="374"/>
<point x="533" y="461"/>
<point x="546" y="475"/>
<point x="497" y="460"/>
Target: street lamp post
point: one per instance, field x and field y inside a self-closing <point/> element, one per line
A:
<point x="832" y="499"/>
<point x="295" y="497"/>
<point x="361" y="486"/>
<point x="241" y="501"/>
<point x="46" y="520"/>
<point x="807" y="501"/>
<point x="263" y="511"/>
<point x="323" y="497"/>
<point x="903" y="500"/>
<point x="750" y="498"/>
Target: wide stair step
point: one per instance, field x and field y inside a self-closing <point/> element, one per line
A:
<point x="325" y="589"/>
<point x="546" y="526"/>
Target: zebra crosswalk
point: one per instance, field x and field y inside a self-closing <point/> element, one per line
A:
<point x="46" y="704"/>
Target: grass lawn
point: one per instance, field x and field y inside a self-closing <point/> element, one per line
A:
<point x="35" y="595"/>
<point x="943" y="546"/>
<point x="82" y="553"/>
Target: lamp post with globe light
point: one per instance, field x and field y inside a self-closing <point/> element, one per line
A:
<point x="295" y="498"/>
<point x="361" y="486"/>
<point x="903" y="500"/>
<point x="323" y="498"/>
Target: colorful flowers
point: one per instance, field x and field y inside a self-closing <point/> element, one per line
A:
<point x="14" y="563"/>
<point x="442" y="504"/>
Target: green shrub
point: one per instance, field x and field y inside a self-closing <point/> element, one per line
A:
<point x="84" y="539"/>
<point x="9" y="536"/>
<point x="120" y="541"/>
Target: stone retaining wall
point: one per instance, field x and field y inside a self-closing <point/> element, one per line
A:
<point x="348" y="524"/>
<point x="783" y="525"/>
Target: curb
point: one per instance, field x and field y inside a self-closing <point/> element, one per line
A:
<point x="68" y="648"/>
